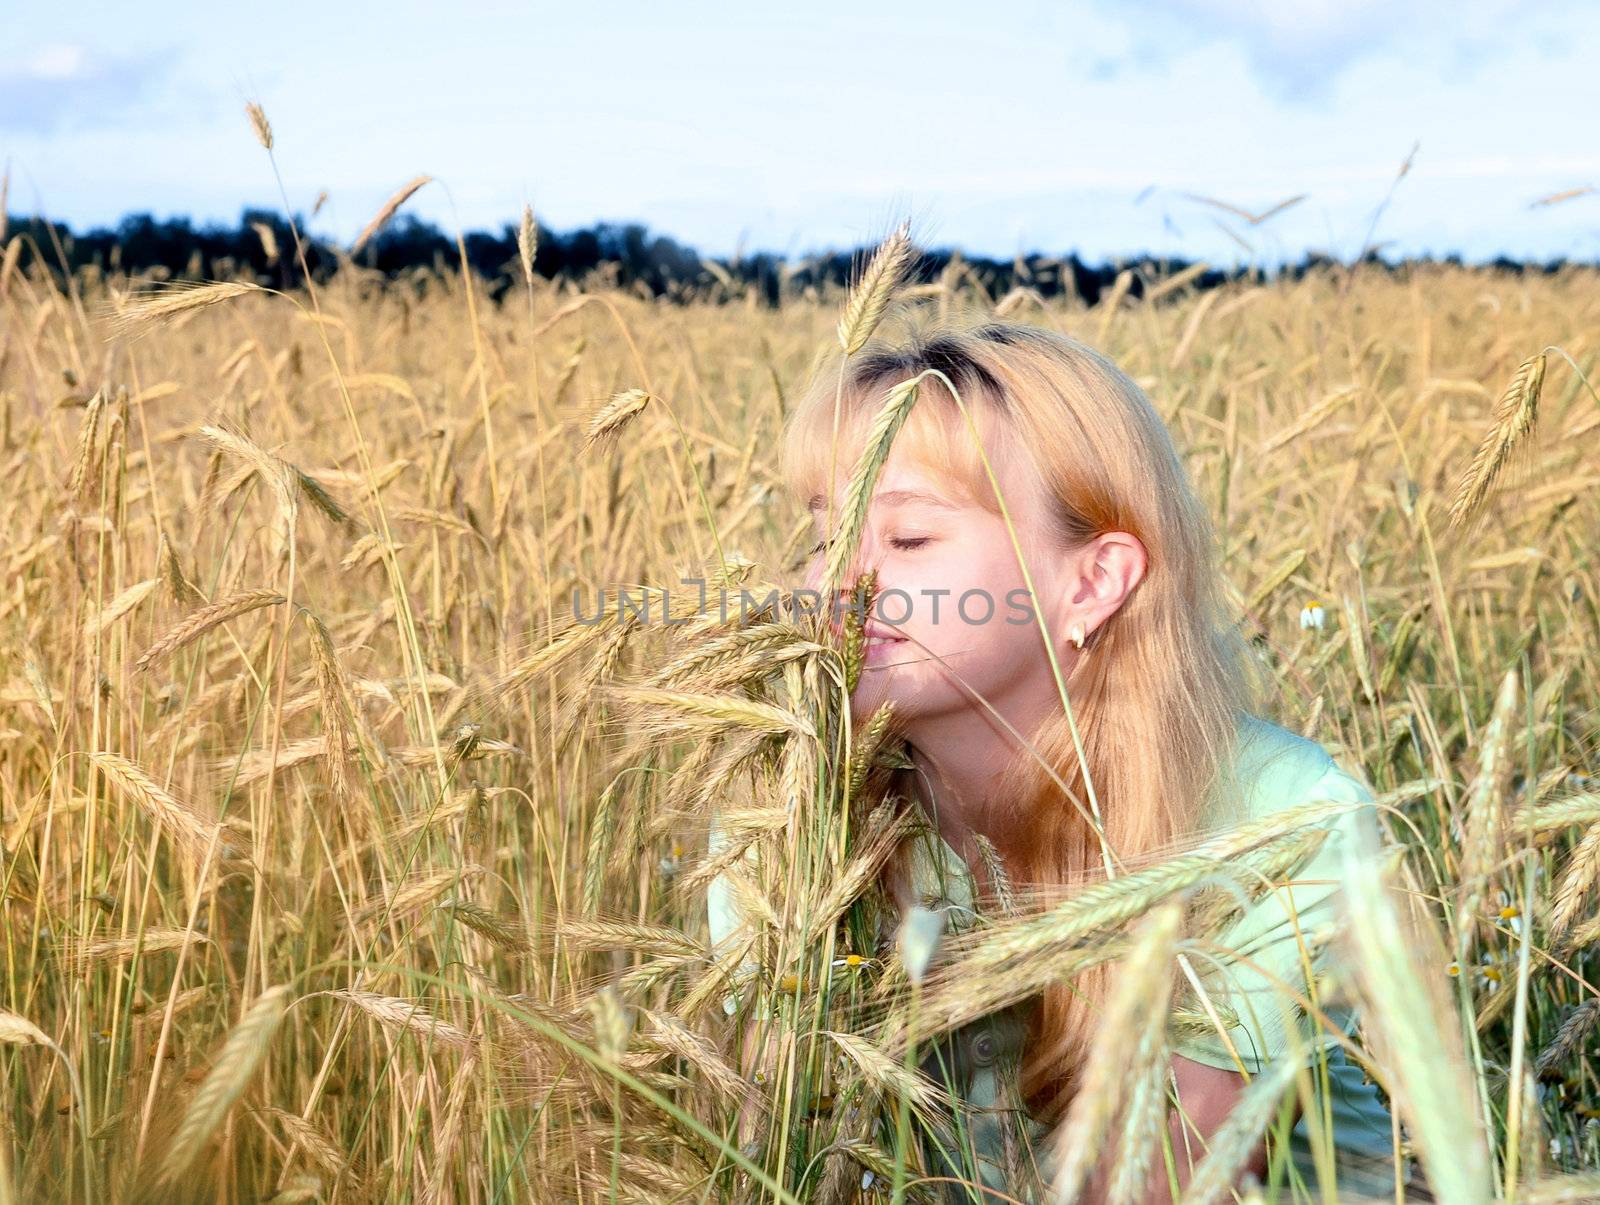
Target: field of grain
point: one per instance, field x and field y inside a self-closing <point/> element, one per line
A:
<point x="341" y="865"/>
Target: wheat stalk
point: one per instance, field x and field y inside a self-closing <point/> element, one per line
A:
<point x="700" y="1054"/>
<point x="674" y="710"/>
<point x="1482" y="825"/>
<point x="229" y="1076"/>
<point x="334" y="695"/>
<point x="1230" y="1145"/>
<point x="418" y="893"/>
<point x="1099" y="1093"/>
<point x="19" y="1031"/>
<point x="885" y="1075"/>
<point x="1583" y="868"/>
<point x="527" y="243"/>
<point x="322" y="1149"/>
<point x="390" y="208"/>
<point x="505" y="932"/>
<point x="886" y="424"/>
<point x="407" y="1016"/>
<point x="606" y="423"/>
<point x="198" y="623"/>
<point x="870" y="298"/>
<point x="182" y="822"/>
<point x="1514" y="417"/>
<point x="1405" y="1017"/>
<point x="142" y="311"/>
<point x="1580" y="1023"/>
<point x="258" y="123"/>
<point x="88" y="434"/>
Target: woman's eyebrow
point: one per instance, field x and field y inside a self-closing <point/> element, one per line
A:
<point x="896" y="498"/>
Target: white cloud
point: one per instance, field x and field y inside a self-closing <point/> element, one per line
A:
<point x="66" y="83"/>
<point x="61" y="61"/>
<point x="1298" y="49"/>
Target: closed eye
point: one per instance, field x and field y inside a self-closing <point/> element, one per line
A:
<point x="903" y="543"/>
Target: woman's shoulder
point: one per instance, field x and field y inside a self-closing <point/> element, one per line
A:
<point x="1277" y="769"/>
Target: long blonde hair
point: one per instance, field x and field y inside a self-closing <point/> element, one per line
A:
<point x="1158" y="696"/>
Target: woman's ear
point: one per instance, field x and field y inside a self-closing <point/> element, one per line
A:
<point x="1100" y="577"/>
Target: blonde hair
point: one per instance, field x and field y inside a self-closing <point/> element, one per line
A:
<point x="1159" y="694"/>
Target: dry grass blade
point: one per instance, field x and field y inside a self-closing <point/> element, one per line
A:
<point x="229" y="1076"/>
<point x="1514" y="417"/>
<point x="390" y="208"/>
<point x="202" y="621"/>
<point x="870" y="298"/>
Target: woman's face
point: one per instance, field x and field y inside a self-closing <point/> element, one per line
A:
<point x="954" y="616"/>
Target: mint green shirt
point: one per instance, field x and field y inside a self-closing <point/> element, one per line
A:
<point x="1275" y="770"/>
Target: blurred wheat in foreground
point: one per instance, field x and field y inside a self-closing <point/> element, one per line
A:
<point x="342" y="863"/>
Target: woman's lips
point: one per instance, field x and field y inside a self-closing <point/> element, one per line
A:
<point x="878" y="643"/>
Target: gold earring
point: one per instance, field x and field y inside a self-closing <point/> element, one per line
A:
<point x="1077" y="634"/>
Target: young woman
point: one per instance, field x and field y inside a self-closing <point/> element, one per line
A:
<point x="1125" y="586"/>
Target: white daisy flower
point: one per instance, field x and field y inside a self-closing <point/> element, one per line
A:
<point x="1510" y="915"/>
<point x="1312" y="615"/>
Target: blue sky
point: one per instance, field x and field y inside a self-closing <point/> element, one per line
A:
<point x="996" y="127"/>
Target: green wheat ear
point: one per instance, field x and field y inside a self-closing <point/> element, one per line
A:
<point x="855" y="627"/>
<point x="886" y="425"/>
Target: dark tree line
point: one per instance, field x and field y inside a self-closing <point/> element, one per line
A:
<point x="625" y="253"/>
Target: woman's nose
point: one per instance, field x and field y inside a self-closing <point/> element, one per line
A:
<point x="865" y="556"/>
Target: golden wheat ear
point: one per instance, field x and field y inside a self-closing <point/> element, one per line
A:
<point x="1514" y="417"/>
<point x="390" y="207"/>
<point x="138" y="313"/>
<point x="865" y="307"/>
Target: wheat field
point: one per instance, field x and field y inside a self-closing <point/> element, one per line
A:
<point x="341" y="864"/>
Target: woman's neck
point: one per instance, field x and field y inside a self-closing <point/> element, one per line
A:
<point x="957" y="780"/>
